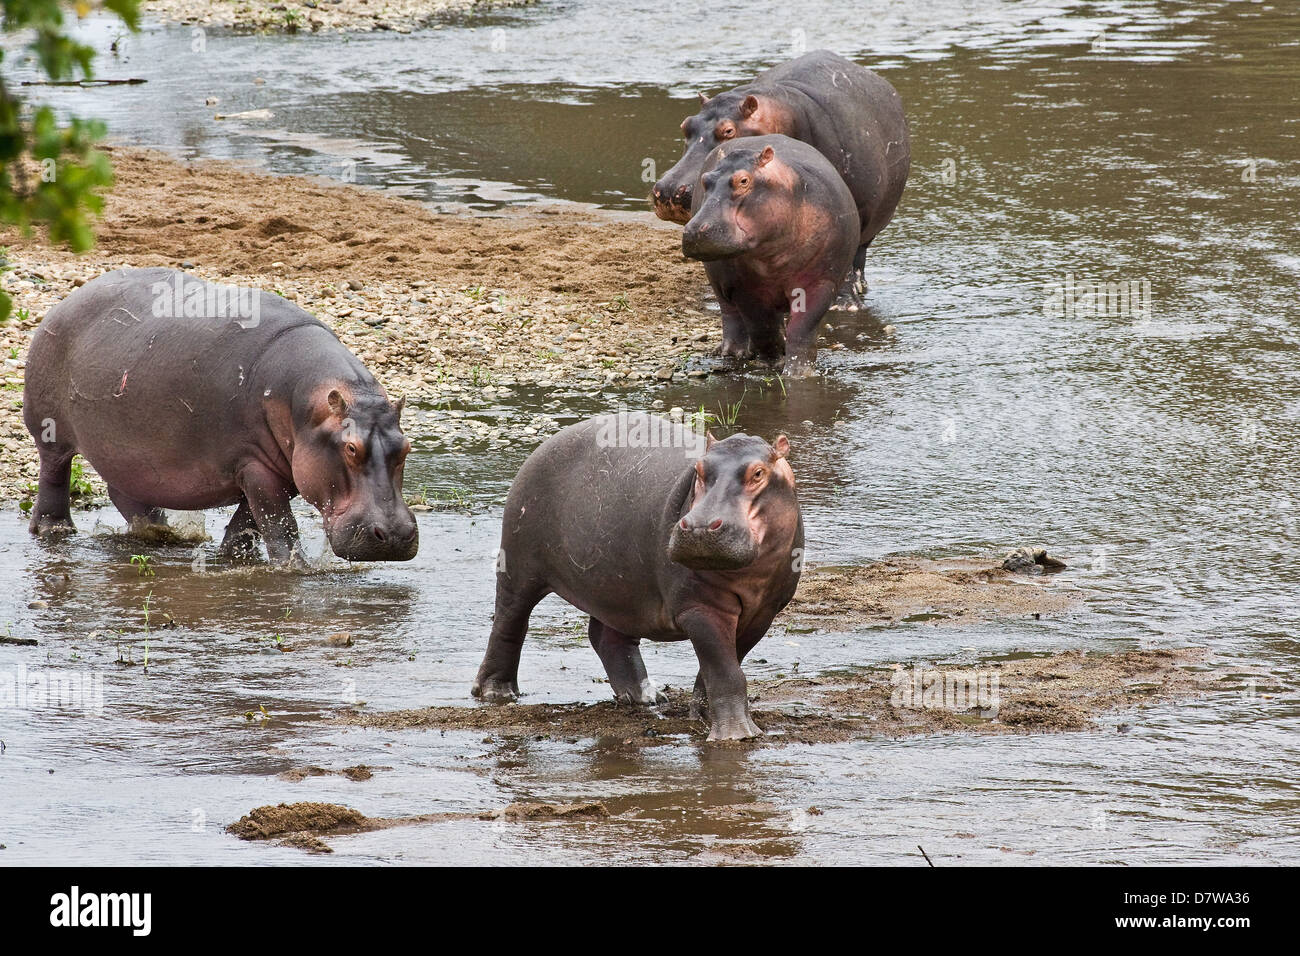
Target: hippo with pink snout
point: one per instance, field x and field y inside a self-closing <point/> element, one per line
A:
<point x="675" y="537"/>
<point x="186" y="394"/>
<point x="776" y="229"/>
<point x="849" y="114"/>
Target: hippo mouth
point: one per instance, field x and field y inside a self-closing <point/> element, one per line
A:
<point x="709" y="550"/>
<point x="703" y="249"/>
<point x="672" y="212"/>
<point x="364" y="542"/>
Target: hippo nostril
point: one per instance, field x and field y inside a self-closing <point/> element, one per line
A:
<point x="378" y="532"/>
<point x="717" y="523"/>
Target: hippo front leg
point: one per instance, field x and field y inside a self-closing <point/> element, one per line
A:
<point x="714" y="640"/>
<point x="807" y="309"/>
<point x="735" y="333"/>
<point x="267" y="496"/>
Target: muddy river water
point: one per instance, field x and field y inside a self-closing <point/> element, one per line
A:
<point x="968" y="411"/>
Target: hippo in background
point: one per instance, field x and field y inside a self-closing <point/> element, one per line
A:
<point x="185" y="394"/>
<point x="776" y="229"/>
<point x="846" y="112"/>
<point x="658" y="533"/>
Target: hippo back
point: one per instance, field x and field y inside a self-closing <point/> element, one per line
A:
<point x="157" y="365"/>
<point x="857" y="122"/>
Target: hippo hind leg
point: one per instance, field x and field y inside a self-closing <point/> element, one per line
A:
<point x="852" y="296"/>
<point x="621" y="656"/>
<point x="138" y="515"/>
<point x="498" y="676"/>
<point x="53" y="508"/>
<point x="241" y="540"/>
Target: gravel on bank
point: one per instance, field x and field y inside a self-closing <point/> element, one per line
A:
<point x="316" y="16"/>
<point x="454" y="312"/>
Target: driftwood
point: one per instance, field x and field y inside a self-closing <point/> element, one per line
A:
<point x="131" y="82"/>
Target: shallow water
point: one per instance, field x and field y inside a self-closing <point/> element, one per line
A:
<point x="1155" y="452"/>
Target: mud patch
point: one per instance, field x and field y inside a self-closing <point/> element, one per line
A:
<point x="302" y="825"/>
<point x="912" y="590"/>
<point x="1055" y="692"/>
<point x="356" y="774"/>
<point x="590" y="810"/>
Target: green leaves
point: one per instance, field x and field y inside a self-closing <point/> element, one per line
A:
<point x="51" y="174"/>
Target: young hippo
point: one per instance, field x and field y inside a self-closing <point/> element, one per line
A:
<point x="846" y="112"/>
<point x="185" y="394"/>
<point x="675" y="537"/>
<point x="775" y="227"/>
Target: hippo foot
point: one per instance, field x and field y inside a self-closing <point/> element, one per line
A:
<point x="738" y="727"/>
<point x="731" y="361"/>
<point x="798" y="366"/>
<point x="494" y="691"/>
<point x="242" y="547"/>
<point x="647" y="695"/>
<point x="299" y="562"/>
<point x="51" y="526"/>
<point x="849" y="300"/>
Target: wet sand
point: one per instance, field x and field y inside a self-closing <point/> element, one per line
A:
<point x="1056" y="692"/>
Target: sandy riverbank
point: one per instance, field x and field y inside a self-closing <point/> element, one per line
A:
<point x="316" y="16"/>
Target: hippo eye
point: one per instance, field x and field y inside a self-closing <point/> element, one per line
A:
<point x="758" y="475"/>
<point x="352" y="449"/>
<point x="729" y="132"/>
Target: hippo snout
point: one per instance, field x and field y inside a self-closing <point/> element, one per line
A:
<point x="700" y="240"/>
<point x="387" y="539"/>
<point x="672" y="203"/>
<point x="711" y="543"/>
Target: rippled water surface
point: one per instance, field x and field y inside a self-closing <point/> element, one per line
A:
<point x="1156" y="451"/>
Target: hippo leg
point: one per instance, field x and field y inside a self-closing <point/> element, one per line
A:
<point x="735" y="333"/>
<point x="268" y="499"/>
<point x="852" y="294"/>
<point x="766" y="344"/>
<point x="801" y="330"/>
<point x="860" y="274"/>
<point x="744" y="644"/>
<point x="240" y="542"/>
<point x="724" y="681"/>
<point x="134" y="511"/>
<point x="621" y="656"/>
<point x="53" y="508"/>
<point x="498" y="675"/>
<point x="700" y="699"/>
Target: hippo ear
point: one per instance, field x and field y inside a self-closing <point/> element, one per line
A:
<point x="703" y="100"/>
<point x="709" y="440"/>
<point x="338" y="405"/>
<point x="398" y="406"/>
<point x="766" y="156"/>
<point x="749" y="107"/>
<point x="781" y="447"/>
